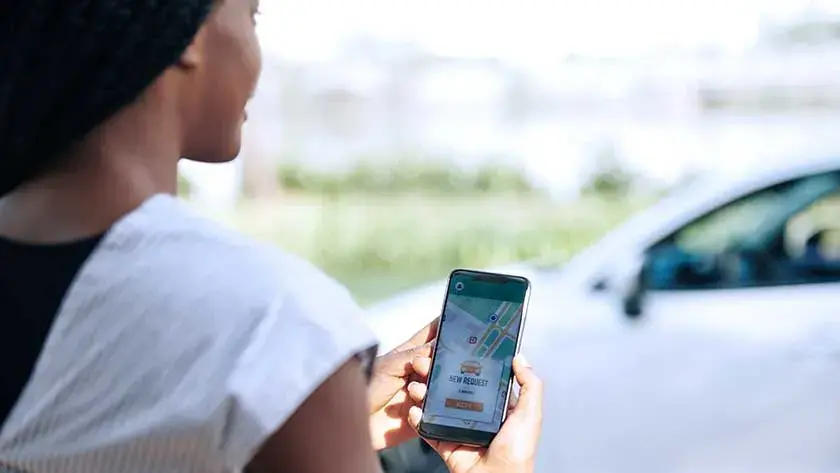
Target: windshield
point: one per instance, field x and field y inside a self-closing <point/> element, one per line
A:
<point x="743" y="243"/>
<point x="753" y="220"/>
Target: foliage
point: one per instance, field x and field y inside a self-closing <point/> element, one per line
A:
<point x="381" y="244"/>
<point x="404" y="177"/>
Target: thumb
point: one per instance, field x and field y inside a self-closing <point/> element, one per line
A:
<point x="529" y="405"/>
<point x="516" y="443"/>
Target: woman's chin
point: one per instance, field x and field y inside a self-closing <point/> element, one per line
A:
<point x="222" y="155"/>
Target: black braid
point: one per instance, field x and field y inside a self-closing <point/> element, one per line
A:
<point x="67" y="65"/>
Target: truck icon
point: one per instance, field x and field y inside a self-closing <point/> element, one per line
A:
<point x="471" y="367"/>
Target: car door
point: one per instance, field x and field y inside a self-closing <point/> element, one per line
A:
<point x="735" y="359"/>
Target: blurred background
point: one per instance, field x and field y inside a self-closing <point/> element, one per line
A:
<point x="666" y="172"/>
<point x="391" y="141"/>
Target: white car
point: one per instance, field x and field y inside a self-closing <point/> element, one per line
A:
<point x="701" y="336"/>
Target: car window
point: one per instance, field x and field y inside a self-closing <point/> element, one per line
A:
<point x="781" y="235"/>
<point x="727" y="226"/>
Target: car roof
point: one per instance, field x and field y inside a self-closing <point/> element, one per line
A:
<point x="703" y="195"/>
<point x="726" y="186"/>
<point x="768" y="171"/>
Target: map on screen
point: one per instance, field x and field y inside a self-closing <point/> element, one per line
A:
<point x="474" y="352"/>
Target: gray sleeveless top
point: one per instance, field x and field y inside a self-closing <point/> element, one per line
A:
<point x="180" y="347"/>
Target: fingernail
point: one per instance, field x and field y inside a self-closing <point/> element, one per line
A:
<point x="523" y="361"/>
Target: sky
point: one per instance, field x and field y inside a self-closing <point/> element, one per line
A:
<point x="529" y="32"/>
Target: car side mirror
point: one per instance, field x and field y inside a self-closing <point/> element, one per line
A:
<point x="628" y="286"/>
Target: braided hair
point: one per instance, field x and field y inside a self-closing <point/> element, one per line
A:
<point x="68" y="65"/>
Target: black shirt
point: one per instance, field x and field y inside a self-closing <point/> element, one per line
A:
<point x="33" y="282"/>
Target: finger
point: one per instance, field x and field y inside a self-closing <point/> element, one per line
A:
<point x="425" y="335"/>
<point x="422" y="365"/>
<point x="424" y="350"/>
<point x="400" y="363"/>
<point x="415" y="414"/>
<point x="446" y="450"/>
<point x="530" y="392"/>
<point x="417" y="391"/>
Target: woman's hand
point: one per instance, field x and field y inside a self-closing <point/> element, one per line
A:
<point x="388" y="391"/>
<point x="514" y="448"/>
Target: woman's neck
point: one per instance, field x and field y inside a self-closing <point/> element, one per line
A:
<point x="92" y="188"/>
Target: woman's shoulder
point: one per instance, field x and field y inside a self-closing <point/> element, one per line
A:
<point x="172" y="260"/>
<point x="165" y="244"/>
<point x="177" y="323"/>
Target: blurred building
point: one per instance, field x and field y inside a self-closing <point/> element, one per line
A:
<point x="665" y="112"/>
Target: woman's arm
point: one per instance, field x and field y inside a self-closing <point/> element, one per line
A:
<point x="330" y="432"/>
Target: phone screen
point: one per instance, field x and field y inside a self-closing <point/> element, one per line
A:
<point x="472" y="367"/>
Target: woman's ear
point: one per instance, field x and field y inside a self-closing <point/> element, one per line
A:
<point x="193" y="56"/>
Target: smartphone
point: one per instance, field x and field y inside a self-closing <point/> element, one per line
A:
<point x="471" y="378"/>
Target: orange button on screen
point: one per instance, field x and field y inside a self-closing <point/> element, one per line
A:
<point x="464" y="405"/>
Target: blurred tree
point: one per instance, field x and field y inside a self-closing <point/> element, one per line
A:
<point x="813" y="27"/>
<point x="608" y="176"/>
<point x="406" y="176"/>
<point x="812" y="32"/>
<point x="258" y="176"/>
<point x="518" y="97"/>
<point x="260" y="136"/>
<point x="499" y="179"/>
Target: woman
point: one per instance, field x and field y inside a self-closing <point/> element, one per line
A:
<point x="138" y="337"/>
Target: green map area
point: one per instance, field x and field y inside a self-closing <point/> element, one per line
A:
<point x="501" y="322"/>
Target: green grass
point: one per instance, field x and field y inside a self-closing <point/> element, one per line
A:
<point x="380" y="245"/>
